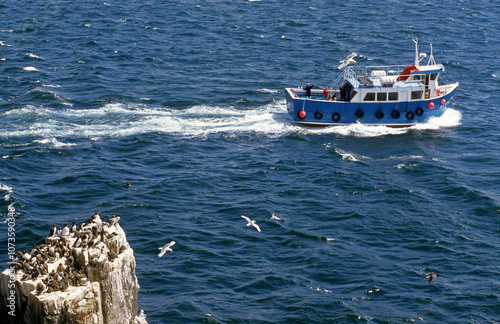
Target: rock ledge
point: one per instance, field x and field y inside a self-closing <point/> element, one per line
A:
<point x="83" y="274"/>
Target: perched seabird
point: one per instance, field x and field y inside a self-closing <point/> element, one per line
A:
<point x="432" y="276"/>
<point x="73" y="228"/>
<point x="348" y="60"/>
<point x="40" y="287"/>
<point x="26" y="255"/>
<point x="251" y="222"/>
<point x="113" y="220"/>
<point x="140" y="319"/>
<point x="127" y="185"/>
<point x="53" y="230"/>
<point x="166" y="248"/>
<point x="65" y="230"/>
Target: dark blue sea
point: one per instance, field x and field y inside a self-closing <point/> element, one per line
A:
<point x="185" y="100"/>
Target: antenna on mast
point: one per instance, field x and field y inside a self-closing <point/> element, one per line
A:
<point x="431" y="58"/>
<point x="415" y="40"/>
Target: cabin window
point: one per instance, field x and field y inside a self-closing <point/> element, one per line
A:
<point x="382" y="96"/>
<point x="370" y="96"/>
<point x="415" y="95"/>
<point x="393" y="96"/>
<point x="434" y="76"/>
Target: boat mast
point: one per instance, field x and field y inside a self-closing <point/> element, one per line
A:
<point x="415" y="40"/>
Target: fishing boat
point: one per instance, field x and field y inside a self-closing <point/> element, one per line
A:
<point x="391" y="95"/>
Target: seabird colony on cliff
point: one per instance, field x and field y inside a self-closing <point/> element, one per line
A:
<point x="62" y="247"/>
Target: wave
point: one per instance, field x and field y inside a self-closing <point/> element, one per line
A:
<point x="31" y="55"/>
<point x="8" y="191"/>
<point x="5" y="188"/>
<point x="348" y="157"/>
<point x="31" y="69"/>
<point x="119" y="120"/>
<point x="53" y="142"/>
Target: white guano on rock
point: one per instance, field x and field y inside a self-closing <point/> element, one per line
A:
<point x="85" y="276"/>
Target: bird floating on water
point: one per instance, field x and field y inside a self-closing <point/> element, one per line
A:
<point x="165" y="248"/>
<point x="348" y="60"/>
<point x="127" y="185"/>
<point x="251" y="222"/>
<point x="432" y="276"/>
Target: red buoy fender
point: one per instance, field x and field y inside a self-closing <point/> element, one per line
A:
<point x="443" y="101"/>
<point x="431" y="105"/>
<point x="302" y="114"/>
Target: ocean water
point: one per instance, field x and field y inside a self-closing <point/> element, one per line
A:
<point x="185" y="100"/>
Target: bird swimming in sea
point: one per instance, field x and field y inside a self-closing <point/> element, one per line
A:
<point x="127" y="185"/>
<point x="432" y="276"/>
<point x="251" y="222"/>
<point x="166" y="248"/>
<point x="348" y="60"/>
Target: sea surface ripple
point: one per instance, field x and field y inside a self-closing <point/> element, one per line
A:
<point x="185" y="100"/>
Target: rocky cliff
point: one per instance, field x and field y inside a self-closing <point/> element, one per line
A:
<point x="83" y="274"/>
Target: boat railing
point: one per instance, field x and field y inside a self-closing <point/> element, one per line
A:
<point x="347" y="75"/>
<point x="388" y="69"/>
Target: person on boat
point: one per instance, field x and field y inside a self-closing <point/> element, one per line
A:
<point x="308" y="90"/>
<point x="343" y="92"/>
<point x="326" y="93"/>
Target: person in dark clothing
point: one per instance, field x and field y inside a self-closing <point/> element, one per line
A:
<point x="308" y="90"/>
<point x="348" y="92"/>
<point x="343" y="92"/>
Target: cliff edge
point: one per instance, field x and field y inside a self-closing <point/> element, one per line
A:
<point x="83" y="274"/>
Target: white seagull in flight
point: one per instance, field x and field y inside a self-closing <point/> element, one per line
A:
<point x="251" y="222"/>
<point x="165" y="248"/>
<point x="348" y="60"/>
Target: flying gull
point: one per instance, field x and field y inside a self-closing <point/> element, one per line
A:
<point x="166" y="248"/>
<point x="251" y="222"/>
<point x="348" y="60"/>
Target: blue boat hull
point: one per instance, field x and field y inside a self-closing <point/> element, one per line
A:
<point x="319" y="112"/>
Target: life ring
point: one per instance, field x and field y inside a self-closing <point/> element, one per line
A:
<point x="410" y="115"/>
<point x="395" y="114"/>
<point x="359" y="114"/>
<point x="302" y="114"/>
<point x="318" y="115"/>
<point x="419" y="111"/>
<point x="336" y="117"/>
<point x="379" y="114"/>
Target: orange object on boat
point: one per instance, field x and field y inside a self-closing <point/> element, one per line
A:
<point x="406" y="72"/>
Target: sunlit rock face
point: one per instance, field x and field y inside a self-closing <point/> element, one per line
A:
<point x="83" y="274"/>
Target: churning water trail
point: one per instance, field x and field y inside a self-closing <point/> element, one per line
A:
<point x="186" y="102"/>
<point x="122" y="120"/>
